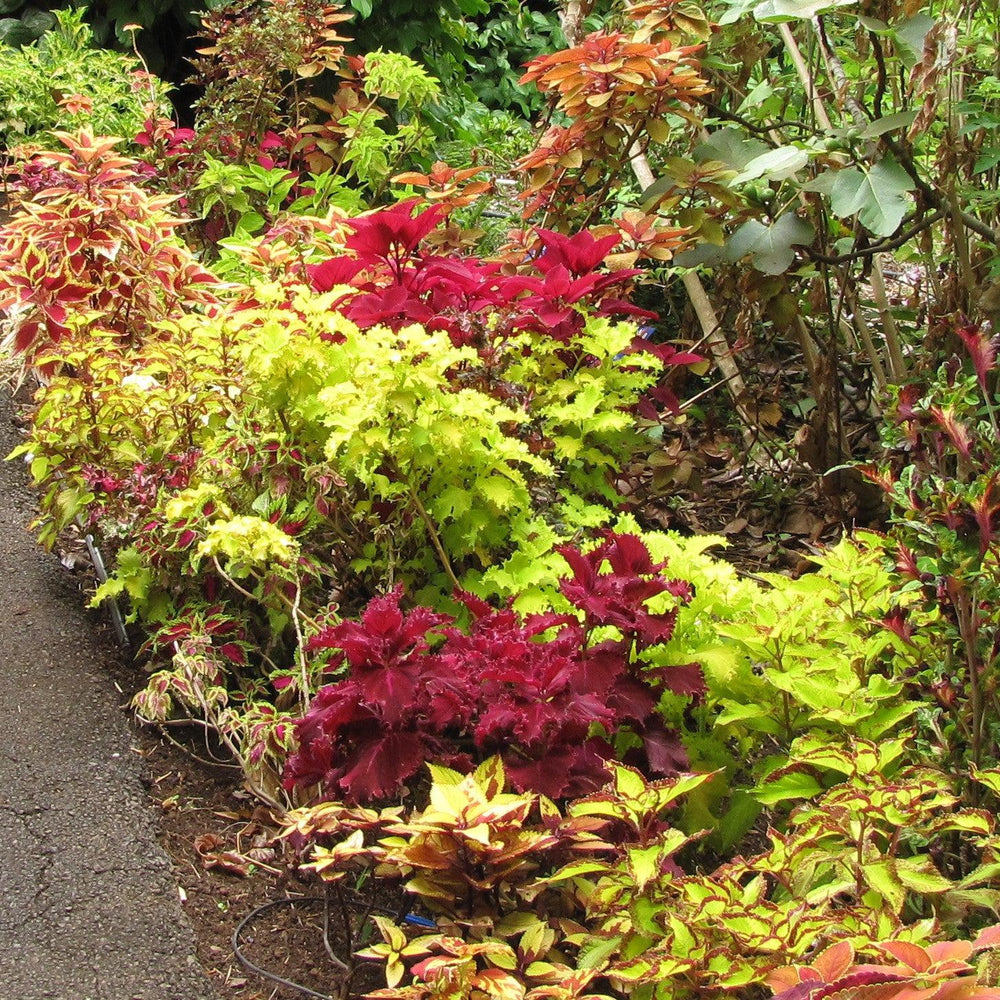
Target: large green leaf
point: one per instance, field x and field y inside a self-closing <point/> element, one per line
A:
<point x="774" y="165"/>
<point x="877" y="196"/>
<point x="776" y="11"/>
<point x="794" y="785"/>
<point x="729" y="146"/>
<point x="771" y="247"/>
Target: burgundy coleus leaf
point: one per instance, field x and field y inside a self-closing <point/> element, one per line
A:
<point x="619" y="597"/>
<point x="896" y="621"/>
<point x="906" y="402"/>
<point x="682" y="678"/>
<point x="800" y="991"/>
<point x="665" y="753"/>
<point x="622" y="307"/>
<point x="665" y="353"/>
<point x="563" y="772"/>
<point x="982" y="349"/>
<point x="332" y="272"/>
<point x="384" y="635"/>
<point x="311" y="764"/>
<point x="377" y="768"/>
<point x="866" y="983"/>
<point x="660" y="396"/>
<point x="394" y="306"/>
<point x="386" y="653"/>
<point x="580" y="253"/>
<point x="392" y="234"/>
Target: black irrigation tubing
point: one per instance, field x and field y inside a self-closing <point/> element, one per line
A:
<point x="411" y="918"/>
<point x="251" y="967"/>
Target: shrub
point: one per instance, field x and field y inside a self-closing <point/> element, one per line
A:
<point x="64" y="81"/>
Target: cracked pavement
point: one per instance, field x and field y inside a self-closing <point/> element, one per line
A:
<point x="88" y="906"/>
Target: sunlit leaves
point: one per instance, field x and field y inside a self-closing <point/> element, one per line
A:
<point x="93" y="244"/>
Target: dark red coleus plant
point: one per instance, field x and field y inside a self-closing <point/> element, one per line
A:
<point x="535" y="690"/>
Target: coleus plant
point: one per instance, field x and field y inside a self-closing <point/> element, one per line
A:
<point x="906" y="971"/>
<point x="594" y="897"/>
<point x="942" y="485"/>
<point x="93" y="243"/>
<point x="477" y="858"/>
<point x="549" y="692"/>
<point x="391" y="280"/>
<point x="615" y="93"/>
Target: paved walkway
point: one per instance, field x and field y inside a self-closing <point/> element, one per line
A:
<point x="88" y="908"/>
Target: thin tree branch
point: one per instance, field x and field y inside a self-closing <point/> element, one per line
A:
<point x="882" y="246"/>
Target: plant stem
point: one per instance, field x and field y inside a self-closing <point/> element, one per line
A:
<point x="435" y="539"/>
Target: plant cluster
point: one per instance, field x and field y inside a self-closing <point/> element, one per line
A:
<point x="946" y="511"/>
<point x="533" y="689"/>
<point x="375" y="495"/>
<point x="63" y="80"/>
<point x="531" y="900"/>
<point x="93" y="245"/>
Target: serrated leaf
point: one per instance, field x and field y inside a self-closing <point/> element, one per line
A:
<point x="595" y="954"/>
<point x="500" y="492"/>
<point x="922" y="877"/>
<point x="988" y="776"/>
<point x="795" y="785"/>
<point x="882" y="877"/>
<point x="441" y="775"/>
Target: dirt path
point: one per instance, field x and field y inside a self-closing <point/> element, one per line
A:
<point x="88" y="907"/>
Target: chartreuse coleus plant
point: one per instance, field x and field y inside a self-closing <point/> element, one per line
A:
<point x="64" y="81"/>
<point x="266" y="456"/>
<point x="598" y="898"/>
<point x="105" y="446"/>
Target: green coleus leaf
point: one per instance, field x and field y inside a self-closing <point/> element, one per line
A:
<point x="884" y="879"/>
<point x="877" y="196"/>
<point x="921" y="876"/>
<point x="597" y="951"/>
<point x="988" y="776"/>
<point x="981" y="875"/>
<point x="793" y="785"/>
<point x="965" y="820"/>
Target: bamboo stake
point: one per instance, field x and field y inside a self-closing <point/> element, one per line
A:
<point x="708" y="320"/>
<point x="805" y="75"/>
<point x="893" y="342"/>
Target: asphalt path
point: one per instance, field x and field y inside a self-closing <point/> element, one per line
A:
<point x="88" y="906"/>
